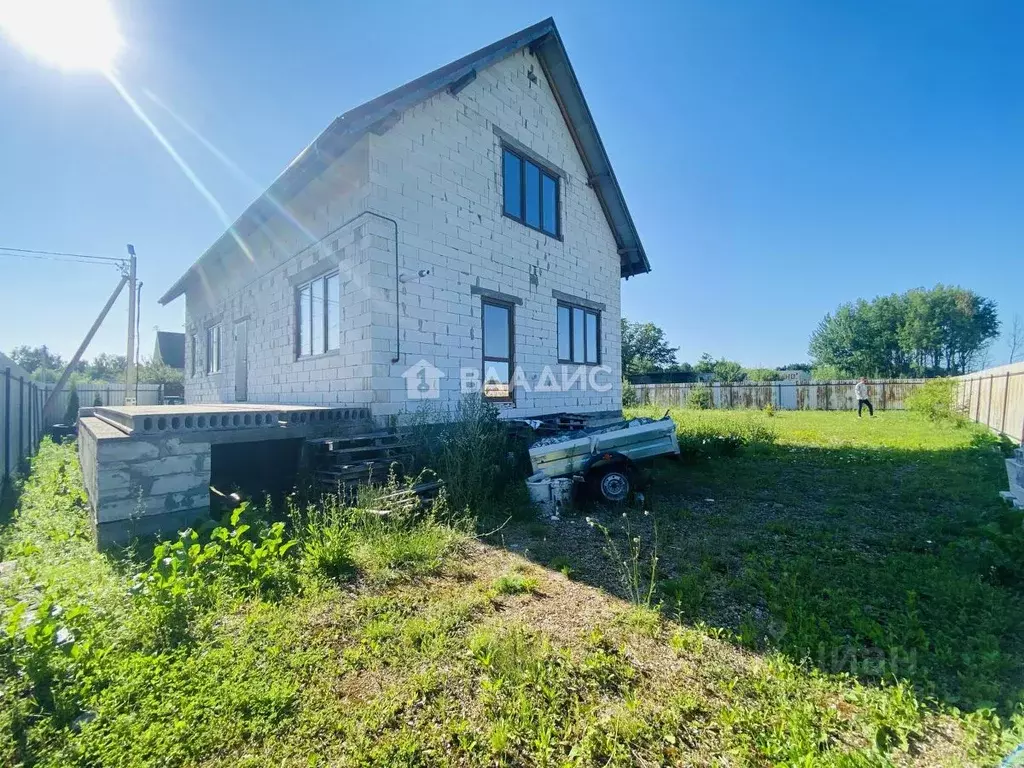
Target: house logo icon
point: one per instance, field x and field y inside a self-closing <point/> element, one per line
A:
<point x="423" y="381"/>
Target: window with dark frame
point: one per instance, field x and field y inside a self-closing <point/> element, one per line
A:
<point x="213" y="349"/>
<point x="579" y="335"/>
<point x="498" y="341"/>
<point x="531" y="193"/>
<point x="318" y="316"/>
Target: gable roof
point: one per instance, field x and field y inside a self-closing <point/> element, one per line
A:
<point x="170" y="349"/>
<point x="378" y="114"/>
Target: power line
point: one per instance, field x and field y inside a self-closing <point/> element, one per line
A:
<point x="58" y="255"/>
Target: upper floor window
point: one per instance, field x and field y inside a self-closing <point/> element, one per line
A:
<point x="579" y="335"/>
<point x="531" y="193"/>
<point x="213" y="349"/>
<point x="319" y="318"/>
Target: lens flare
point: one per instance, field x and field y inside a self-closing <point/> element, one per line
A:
<point x="68" y="34"/>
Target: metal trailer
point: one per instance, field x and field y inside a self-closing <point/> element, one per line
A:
<point x="606" y="459"/>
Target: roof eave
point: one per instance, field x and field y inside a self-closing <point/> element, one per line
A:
<point x="545" y="42"/>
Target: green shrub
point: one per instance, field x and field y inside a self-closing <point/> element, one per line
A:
<point x="185" y="576"/>
<point x="327" y="540"/>
<point x="762" y="374"/>
<point x="71" y="414"/>
<point x="472" y="451"/>
<point x="936" y="401"/>
<point x="700" y="398"/>
<point x="629" y="395"/>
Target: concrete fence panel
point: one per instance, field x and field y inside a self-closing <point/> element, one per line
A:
<point x="885" y="394"/>
<point x="21" y="422"/>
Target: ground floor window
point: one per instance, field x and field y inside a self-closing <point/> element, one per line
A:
<point x="579" y="335"/>
<point x="193" y="349"/>
<point x="213" y="349"/>
<point x="318" y="315"/>
<point x="498" y="342"/>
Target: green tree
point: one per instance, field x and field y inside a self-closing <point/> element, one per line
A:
<point x="106" y="367"/>
<point x="721" y="369"/>
<point x="152" y="372"/>
<point x="644" y="348"/>
<point x="940" y="331"/>
<point x="36" y="358"/>
<point x="762" y="374"/>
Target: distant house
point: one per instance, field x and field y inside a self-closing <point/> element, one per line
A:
<point x="170" y="349"/>
<point x="465" y="225"/>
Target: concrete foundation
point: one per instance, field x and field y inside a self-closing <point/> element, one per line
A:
<point x="147" y="469"/>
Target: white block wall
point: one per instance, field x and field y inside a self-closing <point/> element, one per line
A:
<point x="316" y="239"/>
<point x="437" y="172"/>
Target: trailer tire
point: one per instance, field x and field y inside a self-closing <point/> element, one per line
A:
<point x="611" y="484"/>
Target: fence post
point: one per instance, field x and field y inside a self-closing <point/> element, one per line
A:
<point x="7" y="423"/>
<point x="1006" y="395"/>
<point x="21" y="416"/>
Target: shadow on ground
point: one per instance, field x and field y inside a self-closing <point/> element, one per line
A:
<point x="881" y="563"/>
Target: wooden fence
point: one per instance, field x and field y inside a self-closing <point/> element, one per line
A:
<point x="995" y="397"/>
<point x="21" y="417"/>
<point x="885" y="394"/>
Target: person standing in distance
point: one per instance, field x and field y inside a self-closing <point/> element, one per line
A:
<point x="861" y="391"/>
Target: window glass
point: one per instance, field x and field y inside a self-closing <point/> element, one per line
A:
<point x="550" y="205"/>
<point x="333" y="298"/>
<point x="496" y="379"/>
<point x="532" y="181"/>
<point x="213" y="349"/>
<point x="563" y="333"/>
<point x="496" y="339"/>
<point x="513" y="185"/>
<point x="591" y="337"/>
<point x="317" y="312"/>
<point x="577" y="335"/>
<point x="305" y="340"/>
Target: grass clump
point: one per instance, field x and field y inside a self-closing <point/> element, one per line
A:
<point x="514" y="584"/>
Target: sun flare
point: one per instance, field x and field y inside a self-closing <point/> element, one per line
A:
<point x="69" y="34"/>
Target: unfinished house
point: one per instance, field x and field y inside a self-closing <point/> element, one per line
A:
<point x="468" y="221"/>
<point x="462" y="233"/>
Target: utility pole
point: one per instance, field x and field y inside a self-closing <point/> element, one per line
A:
<point x="130" y="372"/>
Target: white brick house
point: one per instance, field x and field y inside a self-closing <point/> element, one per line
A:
<point x="477" y="199"/>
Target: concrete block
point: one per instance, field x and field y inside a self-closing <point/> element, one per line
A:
<point x="127" y="450"/>
<point x="180" y="483"/>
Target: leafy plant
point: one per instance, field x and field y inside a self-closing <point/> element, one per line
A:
<point x="253" y="563"/>
<point x="936" y="401"/>
<point x="700" y="398"/>
<point x="635" y="564"/>
<point x="630" y="396"/>
<point x="71" y="414"/>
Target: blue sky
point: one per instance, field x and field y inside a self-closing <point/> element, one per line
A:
<point x="778" y="157"/>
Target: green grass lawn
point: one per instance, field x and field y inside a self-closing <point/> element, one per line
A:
<point x="827" y="592"/>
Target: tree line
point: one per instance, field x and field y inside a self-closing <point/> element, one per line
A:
<point x="45" y="367"/>
<point x="941" y="331"/>
<point x="646" y="350"/>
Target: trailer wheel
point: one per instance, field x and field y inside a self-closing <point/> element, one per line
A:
<point x="611" y="484"/>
